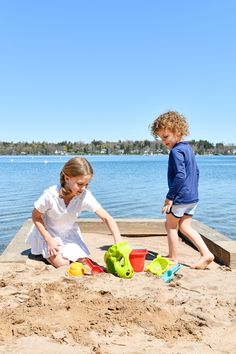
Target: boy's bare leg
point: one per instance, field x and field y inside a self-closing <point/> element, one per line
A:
<point x="206" y="256"/>
<point x="173" y="238"/>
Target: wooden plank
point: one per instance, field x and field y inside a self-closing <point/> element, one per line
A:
<point x="223" y="248"/>
<point x="127" y="227"/>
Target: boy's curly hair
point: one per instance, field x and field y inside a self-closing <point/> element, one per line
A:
<point x="172" y="121"/>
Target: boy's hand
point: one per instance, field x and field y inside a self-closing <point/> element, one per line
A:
<point x="167" y="205"/>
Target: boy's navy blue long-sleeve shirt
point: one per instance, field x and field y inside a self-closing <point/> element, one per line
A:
<point x="183" y="175"/>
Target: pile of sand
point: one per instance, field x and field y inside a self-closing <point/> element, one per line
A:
<point x="43" y="310"/>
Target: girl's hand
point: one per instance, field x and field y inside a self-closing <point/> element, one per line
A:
<point x="53" y="247"/>
<point x="167" y="206"/>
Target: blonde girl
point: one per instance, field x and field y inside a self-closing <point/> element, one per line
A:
<point x="55" y="233"/>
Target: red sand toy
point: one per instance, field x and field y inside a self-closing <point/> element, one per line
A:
<point x="95" y="269"/>
<point x="137" y="259"/>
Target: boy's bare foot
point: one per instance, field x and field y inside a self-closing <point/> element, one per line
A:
<point x="203" y="262"/>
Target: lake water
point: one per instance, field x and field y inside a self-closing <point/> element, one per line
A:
<point x="126" y="186"/>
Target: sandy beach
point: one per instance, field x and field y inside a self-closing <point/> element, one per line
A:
<point x="43" y="310"/>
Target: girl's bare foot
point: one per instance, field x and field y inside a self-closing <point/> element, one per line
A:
<point x="203" y="262"/>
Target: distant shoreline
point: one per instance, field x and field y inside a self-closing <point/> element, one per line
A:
<point x="98" y="147"/>
<point x="102" y="154"/>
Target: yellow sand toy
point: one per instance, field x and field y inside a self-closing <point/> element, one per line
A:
<point x="159" y="265"/>
<point x="76" y="269"/>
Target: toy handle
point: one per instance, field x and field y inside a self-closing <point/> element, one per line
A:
<point x="175" y="268"/>
<point x="89" y="263"/>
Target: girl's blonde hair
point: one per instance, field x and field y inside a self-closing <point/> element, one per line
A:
<point x="172" y="121"/>
<point x="77" y="166"/>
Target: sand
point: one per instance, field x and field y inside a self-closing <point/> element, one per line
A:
<point x="43" y="310"/>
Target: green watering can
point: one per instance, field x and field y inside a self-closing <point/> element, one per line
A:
<point x="117" y="260"/>
<point x="159" y="265"/>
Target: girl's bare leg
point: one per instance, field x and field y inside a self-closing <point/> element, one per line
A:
<point x="58" y="261"/>
<point x="206" y="256"/>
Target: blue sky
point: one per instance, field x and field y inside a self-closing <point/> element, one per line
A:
<point x="104" y="69"/>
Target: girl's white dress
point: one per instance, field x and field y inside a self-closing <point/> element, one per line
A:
<point x="60" y="222"/>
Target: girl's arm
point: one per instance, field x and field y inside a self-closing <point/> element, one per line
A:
<point x="51" y="242"/>
<point x="111" y="224"/>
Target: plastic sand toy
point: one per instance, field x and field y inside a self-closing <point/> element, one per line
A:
<point x="169" y="274"/>
<point x="117" y="260"/>
<point x="76" y="269"/>
<point x="95" y="269"/>
<point x="159" y="265"/>
<point x="137" y="259"/>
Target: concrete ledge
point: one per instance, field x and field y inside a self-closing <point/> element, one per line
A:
<point x="17" y="250"/>
<point x="222" y="247"/>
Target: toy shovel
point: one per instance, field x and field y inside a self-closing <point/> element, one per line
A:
<point x="95" y="269"/>
<point x="169" y="274"/>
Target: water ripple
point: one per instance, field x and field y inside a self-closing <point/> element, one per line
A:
<point x="127" y="186"/>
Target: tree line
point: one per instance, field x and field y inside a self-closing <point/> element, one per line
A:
<point x="98" y="147"/>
